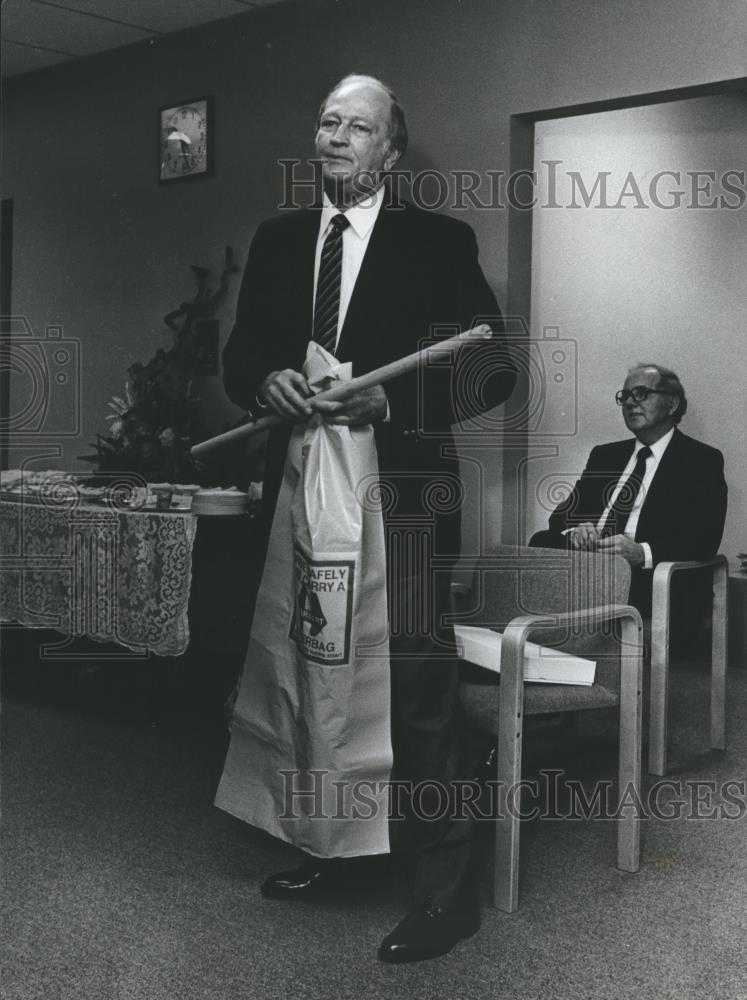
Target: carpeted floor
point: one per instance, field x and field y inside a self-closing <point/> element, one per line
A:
<point x="122" y="881"/>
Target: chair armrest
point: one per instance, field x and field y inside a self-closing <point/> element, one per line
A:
<point x="662" y="581"/>
<point x="517" y="631"/>
<point x="510" y="730"/>
<point x="660" y="642"/>
<point x="664" y="570"/>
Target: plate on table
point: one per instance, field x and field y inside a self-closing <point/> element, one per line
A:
<point x="217" y="502"/>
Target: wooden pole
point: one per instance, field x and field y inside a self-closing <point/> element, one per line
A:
<point x="343" y="390"/>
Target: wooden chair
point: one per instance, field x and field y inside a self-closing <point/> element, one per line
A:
<point x="661" y="623"/>
<point x="568" y="600"/>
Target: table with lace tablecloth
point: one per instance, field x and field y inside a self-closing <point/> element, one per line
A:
<point x="86" y="570"/>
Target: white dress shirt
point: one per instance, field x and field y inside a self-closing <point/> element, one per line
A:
<point x="354" y="244"/>
<point x="652" y="464"/>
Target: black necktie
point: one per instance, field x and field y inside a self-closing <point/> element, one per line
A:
<point x="327" y="304"/>
<point x="619" y="512"/>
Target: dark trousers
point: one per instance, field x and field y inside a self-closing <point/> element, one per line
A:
<point x="425" y="826"/>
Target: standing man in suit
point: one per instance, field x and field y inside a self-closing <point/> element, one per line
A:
<point x="658" y="497"/>
<point x="405" y="277"/>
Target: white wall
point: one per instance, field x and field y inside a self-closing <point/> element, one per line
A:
<point x="646" y="283"/>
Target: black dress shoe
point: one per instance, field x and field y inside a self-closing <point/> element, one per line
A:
<point x="310" y="880"/>
<point x="429" y="931"/>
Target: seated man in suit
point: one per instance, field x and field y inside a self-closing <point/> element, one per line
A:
<point x="658" y="497"/>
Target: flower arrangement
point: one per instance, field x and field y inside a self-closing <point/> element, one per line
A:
<point x="154" y="424"/>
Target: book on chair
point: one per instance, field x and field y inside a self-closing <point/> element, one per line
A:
<point x="542" y="665"/>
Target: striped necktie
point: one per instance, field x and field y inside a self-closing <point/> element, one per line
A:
<point x="327" y="304"/>
<point x="619" y="512"/>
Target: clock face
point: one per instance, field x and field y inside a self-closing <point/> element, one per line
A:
<point x="184" y="140"/>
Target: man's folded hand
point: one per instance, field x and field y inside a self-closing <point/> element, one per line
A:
<point x="584" y="536"/>
<point x="621" y="545"/>
<point x="369" y="406"/>
<point x="286" y="393"/>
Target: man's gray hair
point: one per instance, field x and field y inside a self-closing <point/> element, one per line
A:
<point x="668" y="382"/>
<point x="397" y="123"/>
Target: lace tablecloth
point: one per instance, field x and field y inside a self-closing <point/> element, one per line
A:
<point x="113" y="576"/>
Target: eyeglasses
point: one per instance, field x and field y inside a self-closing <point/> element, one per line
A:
<point x="639" y="394"/>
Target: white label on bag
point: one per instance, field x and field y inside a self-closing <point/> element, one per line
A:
<point x="323" y="608"/>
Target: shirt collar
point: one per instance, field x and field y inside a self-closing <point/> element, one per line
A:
<point x="361" y="216"/>
<point x="658" y="447"/>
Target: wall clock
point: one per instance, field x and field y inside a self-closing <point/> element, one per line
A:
<point x="186" y="140"/>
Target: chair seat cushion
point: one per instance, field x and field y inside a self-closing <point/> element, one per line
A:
<point x="480" y="701"/>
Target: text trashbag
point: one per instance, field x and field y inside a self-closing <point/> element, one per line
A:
<point x="310" y="754"/>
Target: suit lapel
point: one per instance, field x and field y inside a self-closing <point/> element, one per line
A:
<point x="360" y="332"/>
<point x="300" y="262"/>
<point x="623" y="456"/>
<point x="658" y="496"/>
<point x="609" y="469"/>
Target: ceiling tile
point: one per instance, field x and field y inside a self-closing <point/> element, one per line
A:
<point x="63" y="30"/>
<point x="18" y="59"/>
<point x="52" y="30"/>
<point x="158" y="15"/>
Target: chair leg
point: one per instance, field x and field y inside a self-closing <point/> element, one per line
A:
<point x="719" y="642"/>
<point x="659" y="708"/>
<point x="631" y="709"/>
<point x="506" y="865"/>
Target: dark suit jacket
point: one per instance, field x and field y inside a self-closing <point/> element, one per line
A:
<point x="683" y="514"/>
<point x="420" y="278"/>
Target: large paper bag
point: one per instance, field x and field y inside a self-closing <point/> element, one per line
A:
<point x="310" y="754"/>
